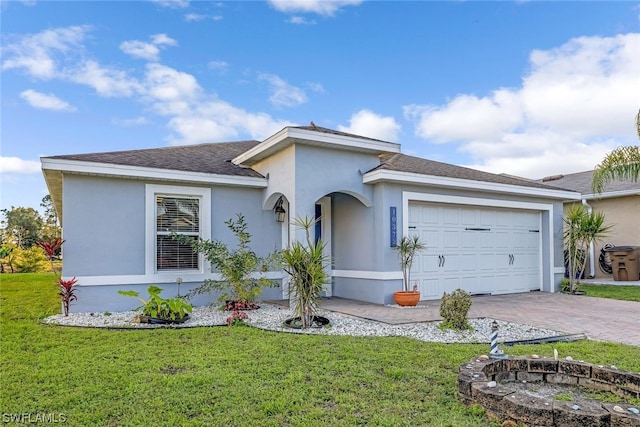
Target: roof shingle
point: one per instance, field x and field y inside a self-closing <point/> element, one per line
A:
<point x="205" y="158"/>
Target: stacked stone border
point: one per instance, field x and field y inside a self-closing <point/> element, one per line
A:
<point x="485" y="381"/>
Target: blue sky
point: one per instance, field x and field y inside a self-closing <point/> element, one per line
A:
<point x="527" y="88"/>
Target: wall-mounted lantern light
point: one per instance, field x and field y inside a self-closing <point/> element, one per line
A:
<point x="281" y="214"/>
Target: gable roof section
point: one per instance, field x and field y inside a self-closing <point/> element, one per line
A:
<point x="581" y="183"/>
<point x="202" y="163"/>
<point x="314" y="135"/>
<point x="203" y="158"/>
<point x="410" y="169"/>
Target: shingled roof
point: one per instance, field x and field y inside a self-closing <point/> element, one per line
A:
<point x="581" y="182"/>
<point x="205" y="158"/>
<point x="418" y="165"/>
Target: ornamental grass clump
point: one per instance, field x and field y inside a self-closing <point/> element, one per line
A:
<point x="305" y="264"/>
<point x="454" y="309"/>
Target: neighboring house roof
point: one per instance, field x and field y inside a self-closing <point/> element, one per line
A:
<point x="405" y="163"/>
<point x="581" y="182"/>
<point x="203" y="158"/>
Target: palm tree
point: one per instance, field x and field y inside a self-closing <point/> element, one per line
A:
<point x="581" y="228"/>
<point x="621" y="163"/>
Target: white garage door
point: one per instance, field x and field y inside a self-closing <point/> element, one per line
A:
<point x="481" y="250"/>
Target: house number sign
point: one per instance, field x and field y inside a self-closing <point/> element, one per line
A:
<point x="393" y="227"/>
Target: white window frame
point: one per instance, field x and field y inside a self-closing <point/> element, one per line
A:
<point x="151" y="192"/>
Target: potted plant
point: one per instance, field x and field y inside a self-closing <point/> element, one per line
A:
<point x="305" y="264"/>
<point x="159" y="310"/>
<point x="407" y="248"/>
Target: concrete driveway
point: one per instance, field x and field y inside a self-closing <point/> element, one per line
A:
<point x="598" y="318"/>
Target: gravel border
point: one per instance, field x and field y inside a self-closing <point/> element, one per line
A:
<point x="271" y="317"/>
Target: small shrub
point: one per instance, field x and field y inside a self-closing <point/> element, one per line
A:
<point x="158" y="307"/>
<point x="238" y="267"/>
<point x="67" y="293"/>
<point x="454" y="309"/>
<point x="30" y="260"/>
<point x="237" y="318"/>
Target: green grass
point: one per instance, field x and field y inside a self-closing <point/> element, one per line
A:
<point x="626" y="293"/>
<point x="234" y="376"/>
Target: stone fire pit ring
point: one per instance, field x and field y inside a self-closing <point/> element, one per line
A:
<point x="491" y="383"/>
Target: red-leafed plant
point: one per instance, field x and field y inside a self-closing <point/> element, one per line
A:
<point x="51" y="249"/>
<point x="67" y="293"/>
<point x="237" y="318"/>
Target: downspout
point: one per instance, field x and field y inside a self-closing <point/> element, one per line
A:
<point x="592" y="260"/>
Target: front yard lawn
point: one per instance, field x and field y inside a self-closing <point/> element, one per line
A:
<point x="233" y="376"/>
<point x="626" y="293"/>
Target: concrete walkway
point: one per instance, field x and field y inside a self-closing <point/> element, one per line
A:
<point x="598" y="318"/>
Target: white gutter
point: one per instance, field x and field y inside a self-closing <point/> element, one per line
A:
<point x="592" y="261"/>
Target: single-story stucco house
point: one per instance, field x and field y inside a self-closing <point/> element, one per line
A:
<point x="619" y="202"/>
<point x="486" y="233"/>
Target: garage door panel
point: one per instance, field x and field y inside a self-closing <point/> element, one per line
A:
<point x="451" y="239"/>
<point x="500" y="255"/>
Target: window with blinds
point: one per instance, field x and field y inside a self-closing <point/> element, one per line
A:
<point x="179" y="215"/>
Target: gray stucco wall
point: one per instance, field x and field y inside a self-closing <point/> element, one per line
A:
<point x="104" y="228"/>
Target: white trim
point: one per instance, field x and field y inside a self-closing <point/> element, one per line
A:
<point x="408" y="196"/>
<point x="126" y="171"/>
<point x="290" y="135"/>
<point x="558" y="270"/>
<point x="612" y="194"/>
<point x="368" y="275"/>
<point x="204" y="194"/>
<point x="467" y="184"/>
<point x="142" y="279"/>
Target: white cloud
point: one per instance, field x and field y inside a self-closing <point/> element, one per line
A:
<point x="220" y="66"/>
<point x="107" y="82"/>
<point x="172" y="4"/>
<point x="195" y="116"/>
<point x="39" y="54"/>
<point x="147" y="51"/>
<point x="299" y="20"/>
<point x="18" y="165"/>
<point x="142" y="50"/>
<point x="136" y="121"/>
<point x="282" y="93"/>
<point x="320" y="7"/>
<point x="192" y="114"/>
<point x="576" y="103"/>
<point x="368" y="123"/>
<point x="163" y="40"/>
<point x="197" y="17"/>
<point x="45" y="101"/>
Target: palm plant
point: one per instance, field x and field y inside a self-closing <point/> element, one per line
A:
<point x="622" y="163"/>
<point x="581" y="228"/>
<point x="407" y="249"/>
<point x="305" y="264"/>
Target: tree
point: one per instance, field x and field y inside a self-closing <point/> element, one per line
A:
<point x="51" y="228"/>
<point x="23" y="226"/>
<point x="622" y="163"/>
